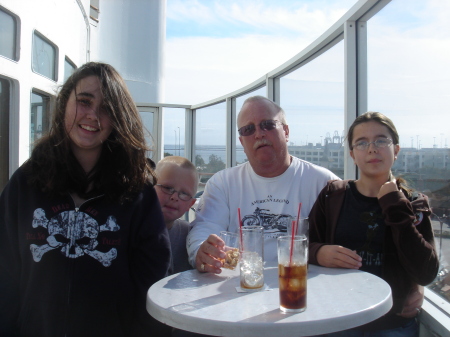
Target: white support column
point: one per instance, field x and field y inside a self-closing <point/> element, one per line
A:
<point x="351" y="90"/>
<point x="361" y="54"/>
<point x="231" y="132"/>
<point x="193" y="132"/>
<point x="158" y="134"/>
<point x="273" y="89"/>
<point x="189" y="134"/>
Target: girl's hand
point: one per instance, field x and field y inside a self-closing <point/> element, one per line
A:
<point x="335" y="256"/>
<point x="388" y="187"/>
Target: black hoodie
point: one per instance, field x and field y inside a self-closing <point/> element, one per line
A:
<point x="78" y="272"/>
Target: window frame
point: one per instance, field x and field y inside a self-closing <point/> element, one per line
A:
<point x="36" y="33"/>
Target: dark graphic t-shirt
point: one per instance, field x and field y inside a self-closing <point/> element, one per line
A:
<point x="361" y="228"/>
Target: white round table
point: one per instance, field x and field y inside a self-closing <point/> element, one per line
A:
<point x="337" y="299"/>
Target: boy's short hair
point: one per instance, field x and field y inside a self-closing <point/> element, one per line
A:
<point x="179" y="161"/>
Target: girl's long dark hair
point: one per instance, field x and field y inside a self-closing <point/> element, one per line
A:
<point x="378" y="117"/>
<point x="122" y="169"/>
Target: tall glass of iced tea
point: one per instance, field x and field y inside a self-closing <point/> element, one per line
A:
<point x="292" y="272"/>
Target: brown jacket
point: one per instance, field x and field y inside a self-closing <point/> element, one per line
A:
<point x="409" y="253"/>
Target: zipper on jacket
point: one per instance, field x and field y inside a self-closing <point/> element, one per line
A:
<point x="71" y="263"/>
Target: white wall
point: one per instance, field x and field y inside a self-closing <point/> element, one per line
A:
<point x="130" y="35"/>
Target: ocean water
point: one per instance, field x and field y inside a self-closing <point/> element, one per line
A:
<point x="206" y="150"/>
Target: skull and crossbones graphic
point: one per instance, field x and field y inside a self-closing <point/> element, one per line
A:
<point x="75" y="233"/>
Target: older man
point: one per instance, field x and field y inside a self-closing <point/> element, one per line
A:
<point x="267" y="189"/>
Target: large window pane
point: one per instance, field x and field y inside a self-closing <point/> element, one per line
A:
<point x="44" y="57"/>
<point x="174" y="132"/>
<point x="5" y="89"/>
<point x="210" y="140"/>
<point x="409" y="81"/>
<point x="38" y="117"/>
<point x="313" y="99"/>
<point x="8" y="35"/>
<point x="241" y="157"/>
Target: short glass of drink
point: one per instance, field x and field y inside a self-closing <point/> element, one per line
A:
<point x="231" y="249"/>
<point x="292" y="272"/>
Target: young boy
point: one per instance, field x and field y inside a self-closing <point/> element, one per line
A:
<point x="176" y="188"/>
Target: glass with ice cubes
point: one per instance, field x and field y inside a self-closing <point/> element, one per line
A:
<point x="252" y="263"/>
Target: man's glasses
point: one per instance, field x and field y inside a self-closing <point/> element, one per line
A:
<point x="250" y="129"/>
<point x="169" y="190"/>
<point x="379" y="144"/>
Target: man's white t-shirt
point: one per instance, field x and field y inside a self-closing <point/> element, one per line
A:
<point x="268" y="202"/>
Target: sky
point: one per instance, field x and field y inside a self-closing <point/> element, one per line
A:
<point x="214" y="47"/>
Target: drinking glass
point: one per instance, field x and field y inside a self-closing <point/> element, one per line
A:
<point x="251" y="262"/>
<point x="231" y="249"/>
<point x="292" y="272"/>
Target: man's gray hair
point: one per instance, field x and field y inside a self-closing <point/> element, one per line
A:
<point x="279" y="109"/>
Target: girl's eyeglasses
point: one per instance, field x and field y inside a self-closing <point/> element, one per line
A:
<point x="379" y="144"/>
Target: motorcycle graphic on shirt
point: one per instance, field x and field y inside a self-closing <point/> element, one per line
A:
<point x="75" y="234"/>
<point x="270" y="222"/>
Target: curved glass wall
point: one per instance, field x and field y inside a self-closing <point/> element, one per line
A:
<point x="409" y="77"/>
<point x="210" y="141"/>
<point x="313" y="99"/>
<point x="174" y="132"/>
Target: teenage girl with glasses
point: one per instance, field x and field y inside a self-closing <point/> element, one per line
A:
<point x="378" y="225"/>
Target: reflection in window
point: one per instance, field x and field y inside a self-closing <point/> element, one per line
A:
<point x="38" y="117"/>
<point x="44" y="57"/>
<point x="8" y="35"/>
<point x="241" y="157"/>
<point x="210" y="140"/>
<point x="69" y="68"/>
<point x="4" y="131"/>
<point x="410" y="86"/>
<point x="313" y="99"/>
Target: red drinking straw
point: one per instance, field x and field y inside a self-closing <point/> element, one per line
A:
<point x="240" y="229"/>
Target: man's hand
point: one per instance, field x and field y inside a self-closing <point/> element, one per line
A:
<point x="335" y="256"/>
<point x="413" y="302"/>
<point x="209" y="253"/>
